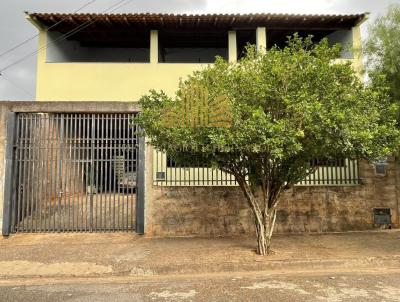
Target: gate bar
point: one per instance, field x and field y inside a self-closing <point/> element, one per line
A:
<point x="140" y="194"/>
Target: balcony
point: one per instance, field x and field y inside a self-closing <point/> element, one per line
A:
<point x="125" y="65"/>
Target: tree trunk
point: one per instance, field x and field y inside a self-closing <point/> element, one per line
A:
<point x="264" y="230"/>
<point x="264" y="216"/>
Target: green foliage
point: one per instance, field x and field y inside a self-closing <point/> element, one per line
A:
<point x="383" y="50"/>
<point x="288" y="106"/>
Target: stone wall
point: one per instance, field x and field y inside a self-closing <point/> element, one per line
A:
<point x="174" y="211"/>
<point x="183" y="211"/>
<point x="340" y="208"/>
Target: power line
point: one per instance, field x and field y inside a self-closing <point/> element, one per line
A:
<point x="70" y="33"/>
<point x="16" y="86"/>
<point x="54" y="25"/>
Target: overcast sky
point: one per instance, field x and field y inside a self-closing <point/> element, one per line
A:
<point x="14" y="28"/>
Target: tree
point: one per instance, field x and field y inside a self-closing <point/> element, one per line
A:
<point x="280" y="109"/>
<point x="383" y="50"/>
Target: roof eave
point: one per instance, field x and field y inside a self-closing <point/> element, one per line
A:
<point x="39" y="19"/>
<point x="34" y="21"/>
<point x="364" y="18"/>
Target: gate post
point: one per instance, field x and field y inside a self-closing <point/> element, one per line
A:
<point x="140" y="187"/>
<point x="8" y="168"/>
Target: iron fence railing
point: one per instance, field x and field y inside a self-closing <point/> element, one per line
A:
<point x="166" y="172"/>
<point x="333" y="173"/>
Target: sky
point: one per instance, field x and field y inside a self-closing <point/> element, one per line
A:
<point x="18" y="82"/>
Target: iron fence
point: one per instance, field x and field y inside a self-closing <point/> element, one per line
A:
<point x="166" y="172"/>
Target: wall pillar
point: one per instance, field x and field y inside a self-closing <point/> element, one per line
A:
<point x="41" y="63"/>
<point x="154" y="46"/>
<point x="3" y="147"/>
<point x="6" y="174"/>
<point x="232" y="46"/>
<point x="357" y="63"/>
<point x="261" y="38"/>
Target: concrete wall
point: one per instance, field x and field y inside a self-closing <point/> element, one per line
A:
<point x="3" y="142"/>
<point x="172" y="211"/>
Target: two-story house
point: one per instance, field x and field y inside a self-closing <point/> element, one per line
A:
<point x="80" y="166"/>
<point x="121" y="57"/>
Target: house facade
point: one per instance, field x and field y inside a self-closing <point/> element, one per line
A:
<point x="77" y="163"/>
<point x="122" y="57"/>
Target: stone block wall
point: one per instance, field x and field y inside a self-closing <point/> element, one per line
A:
<point x="213" y="211"/>
<point x="340" y="208"/>
<point x="219" y="211"/>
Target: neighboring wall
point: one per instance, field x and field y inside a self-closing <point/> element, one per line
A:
<point x="172" y="211"/>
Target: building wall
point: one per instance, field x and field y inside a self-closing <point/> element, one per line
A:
<point x="186" y="211"/>
<point x="110" y="81"/>
<point x="106" y="81"/>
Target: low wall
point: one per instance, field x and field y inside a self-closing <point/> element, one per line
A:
<point x="341" y="208"/>
<point x="172" y="211"/>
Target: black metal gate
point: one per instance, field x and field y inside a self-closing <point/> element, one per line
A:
<point x="75" y="172"/>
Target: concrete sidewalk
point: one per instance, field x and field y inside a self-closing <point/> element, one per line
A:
<point x="119" y="255"/>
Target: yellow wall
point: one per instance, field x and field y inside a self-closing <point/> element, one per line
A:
<point x="105" y="81"/>
<point x="358" y="58"/>
<point x="125" y="81"/>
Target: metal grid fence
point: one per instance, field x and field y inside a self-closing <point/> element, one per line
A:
<point x="166" y="172"/>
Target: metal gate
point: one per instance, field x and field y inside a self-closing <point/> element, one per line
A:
<point x="75" y="172"/>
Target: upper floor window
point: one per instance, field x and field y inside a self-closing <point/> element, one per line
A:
<point x="344" y="37"/>
<point x="244" y="37"/>
<point x="99" y="45"/>
<point x="192" y="46"/>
